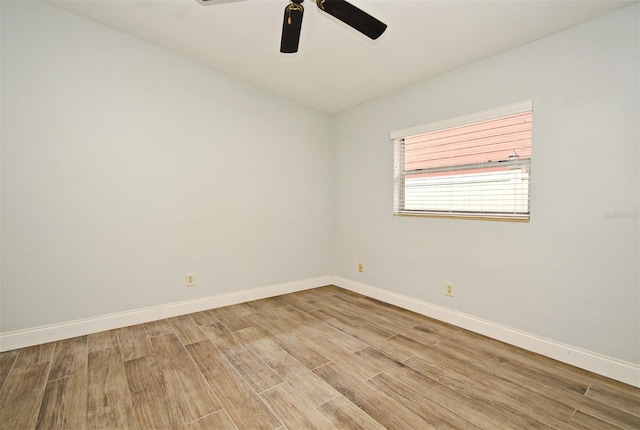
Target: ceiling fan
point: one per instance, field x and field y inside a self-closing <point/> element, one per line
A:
<point x="340" y="9"/>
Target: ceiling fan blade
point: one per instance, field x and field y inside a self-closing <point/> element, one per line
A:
<point x="291" y="26"/>
<point x="353" y="17"/>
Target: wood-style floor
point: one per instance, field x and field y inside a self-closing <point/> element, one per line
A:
<point x="319" y="359"/>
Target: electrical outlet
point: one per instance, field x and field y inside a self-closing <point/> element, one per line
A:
<point x="191" y="279"/>
<point x="360" y="268"/>
<point x="448" y="289"/>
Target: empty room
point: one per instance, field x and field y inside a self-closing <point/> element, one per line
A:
<point x="285" y="214"/>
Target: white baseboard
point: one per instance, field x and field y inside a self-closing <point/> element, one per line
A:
<point x="619" y="370"/>
<point x="51" y="333"/>
<point x="610" y="367"/>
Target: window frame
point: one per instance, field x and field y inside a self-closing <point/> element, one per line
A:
<point x="398" y="137"/>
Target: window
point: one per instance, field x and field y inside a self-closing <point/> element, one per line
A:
<point x="476" y="166"/>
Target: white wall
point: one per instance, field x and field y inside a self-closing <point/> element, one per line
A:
<point x="125" y="166"/>
<point x="572" y="273"/>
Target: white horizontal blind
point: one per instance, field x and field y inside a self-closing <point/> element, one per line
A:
<point x="473" y="166"/>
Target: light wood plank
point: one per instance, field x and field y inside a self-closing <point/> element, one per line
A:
<point x="456" y="403"/>
<point x="242" y="309"/>
<point x="102" y="340"/>
<point x="291" y="320"/>
<point x="242" y="404"/>
<point x="534" y="377"/>
<point x="288" y="341"/>
<point x="436" y="415"/>
<point x="583" y="421"/>
<point x="604" y="412"/>
<point x="617" y="397"/>
<point x="516" y="365"/>
<point x="308" y="385"/>
<point x="265" y="305"/>
<point x="355" y="328"/>
<point x="186" y="329"/>
<point x="254" y="370"/>
<point x="158" y="328"/>
<point x="386" y="315"/>
<point x="186" y="387"/>
<point x="537" y="380"/>
<point x="487" y="386"/>
<point x="151" y="404"/>
<point x="359" y="318"/>
<point x="7" y="360"/>
<point x="134" y="342"/>
<point x="301" y="323"/>
<point x="228" y="316"/>
<point x="613" y="387"/>
<point x="69" y="358"/>
<point x="216" y="421"/>
<point x="205" y="317"/>
<point x="427" y="335"/>
<point x="292" y="410"/>
<point x="21" y="396"/>
<point x="343" y="414"/>
<point x="109" y="403"/>
<point x="304" y="302"/>
<point x="64" y="405"/>
<point x="442" y="407"/>
<point x="35" y="354"/>
<point x="575" y="379"/>
<point x="383" y="409"/>
<point x="338" y="354"/>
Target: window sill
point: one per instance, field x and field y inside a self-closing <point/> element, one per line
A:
<point x="463" y="216"/>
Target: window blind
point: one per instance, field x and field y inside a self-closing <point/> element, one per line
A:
<point x="473" y="166"/>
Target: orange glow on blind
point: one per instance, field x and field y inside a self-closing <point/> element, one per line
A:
<point x="492" y="140"/>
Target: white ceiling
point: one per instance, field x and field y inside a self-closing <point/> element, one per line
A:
<point x="336" y="67"/>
